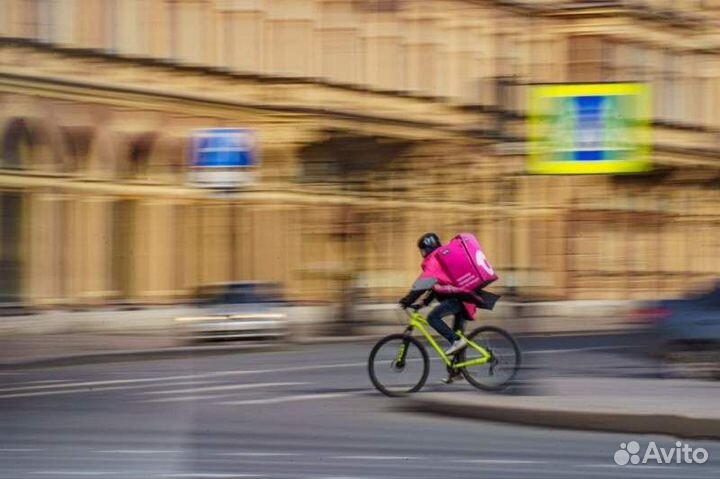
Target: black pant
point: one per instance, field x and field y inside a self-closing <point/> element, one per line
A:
<point x="447" y="307"/>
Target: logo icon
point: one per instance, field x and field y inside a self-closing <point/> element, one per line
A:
<point x="482" y="261"/>
<point x="629" y="453"/>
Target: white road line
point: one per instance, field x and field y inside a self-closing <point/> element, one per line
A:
<point x="222" y="388"/>
<point x="196" y="398"/>
<point x="136" y="451"/>
<point x="205" y="375"/>
<point x="75" y="473"/>
<point x="301" y="397"/>
<point x="574" y="350"/>
<point x="257" y="454"/>
<point x="209" y="475"/>
<point x="637" y="467"/>
<point x="338" y="477"/>
<point x="500" y="461"/>
<point x="20" y="449"/>
<point x="378" y="458"/>
<point x="86" y="390"/>
<point x="93" y="384"/>
<point x="49" y="381"/>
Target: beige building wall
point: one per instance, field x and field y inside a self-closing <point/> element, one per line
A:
<point x="96" y="207"/>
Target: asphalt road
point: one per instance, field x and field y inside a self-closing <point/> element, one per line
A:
<point x="304" y="413"/>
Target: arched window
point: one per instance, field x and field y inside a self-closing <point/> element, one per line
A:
<point x="18" y="144"/>
<point x="77" y="141"/>
<point x="138" y="155"/>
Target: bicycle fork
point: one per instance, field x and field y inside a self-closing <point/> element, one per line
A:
<point x="399" y="361"/>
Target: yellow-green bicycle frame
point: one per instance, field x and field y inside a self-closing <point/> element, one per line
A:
<point x="418" y="321"/>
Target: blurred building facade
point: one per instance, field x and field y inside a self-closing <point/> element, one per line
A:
<point x="378" y="120"/>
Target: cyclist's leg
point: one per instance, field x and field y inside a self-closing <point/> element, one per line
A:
<point x="460" y="318"/>
<point x="459" y="324"/>
<point x="445" y="308"/>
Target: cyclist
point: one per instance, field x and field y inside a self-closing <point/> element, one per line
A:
<point x="454" y="300"/>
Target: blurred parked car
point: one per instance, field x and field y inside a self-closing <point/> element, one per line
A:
<point x="241" y="310"/>
<point x="685" y="333"/>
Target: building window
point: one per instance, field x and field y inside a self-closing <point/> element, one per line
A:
<point x="18" y="144"/>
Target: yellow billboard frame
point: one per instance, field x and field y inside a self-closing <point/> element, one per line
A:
<point x="538" y="162"/>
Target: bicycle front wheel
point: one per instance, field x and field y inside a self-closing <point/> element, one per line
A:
<point x="398" y="365"/>
<point x="503" y="365"/>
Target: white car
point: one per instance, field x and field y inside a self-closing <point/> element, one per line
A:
<point x="242" y="310"/>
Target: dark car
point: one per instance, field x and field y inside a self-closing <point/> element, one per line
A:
<point x="685" y="333"/>
<point x="241" y="310"/>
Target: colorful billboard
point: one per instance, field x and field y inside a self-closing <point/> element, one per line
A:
<point x="599" y="128"/>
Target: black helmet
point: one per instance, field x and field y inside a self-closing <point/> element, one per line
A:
<point x="428" y="243"/>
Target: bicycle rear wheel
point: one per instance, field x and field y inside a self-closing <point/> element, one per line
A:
<point x="398" y="365"/>
<point x="505" y="362"/>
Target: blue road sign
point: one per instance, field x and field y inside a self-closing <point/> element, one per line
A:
<point x="224" y="148"/>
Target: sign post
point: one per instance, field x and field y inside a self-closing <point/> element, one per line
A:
<point x="224" y="160"/>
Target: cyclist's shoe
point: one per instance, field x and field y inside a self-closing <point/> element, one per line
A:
<point x="452" y="377"/>
<point x="458" y="345"/>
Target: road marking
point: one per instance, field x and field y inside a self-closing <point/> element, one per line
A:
<point x="75" y="473"/>
<point x="223" y="388"/>
<point x="258" y="454"/>
<point x="136" y="451"/>
<point x="500" y="461"/>
<point x="338" y="477"/>
<point x="206" y="375"/>
<point x="93" y="384"/>
<point x="575" y="350"/>
<point x="84" y="390"/>
<point x="634" y="467"/>
<point x="49" y="381"/>
<point x="301" y="397"/>
<point x="379" y="458"/>
<point x="200" y="475"/>
<point x="19" y="449"/>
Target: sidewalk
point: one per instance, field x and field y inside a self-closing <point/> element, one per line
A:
<point x="683" y="408"/>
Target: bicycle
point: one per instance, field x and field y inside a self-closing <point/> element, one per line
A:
<point x="401" y="352"/>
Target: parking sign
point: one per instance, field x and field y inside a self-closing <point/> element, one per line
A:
<point x="223" y="157"/>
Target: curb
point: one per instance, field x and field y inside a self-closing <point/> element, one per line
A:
<point x="678" y="425"/>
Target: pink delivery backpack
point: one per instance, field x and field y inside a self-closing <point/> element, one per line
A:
<point x="464" y="261"/>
